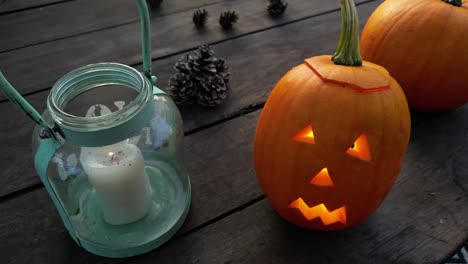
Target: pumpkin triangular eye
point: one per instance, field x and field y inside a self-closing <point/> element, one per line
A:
<point x="306" y="135"/>
<point x="322" y="178"/>
<point x="360" y="149"/>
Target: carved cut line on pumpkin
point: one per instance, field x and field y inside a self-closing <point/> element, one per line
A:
<point x="320" y="211"/>
<point x="308" y="63"/>
<point x="360" y="149"/>
<point x="306" y="135"/>
<point x="322" y="179"/>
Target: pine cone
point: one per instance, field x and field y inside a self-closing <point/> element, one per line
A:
<point x="199" y="17"/>
<point x="277" y="7"/>
<point x="181" y="89"/>
<point x="227" y="19"/>
<point x="223" y="70"/>
<point x="202" y="62"/>
<point x="211" y="91"/>
<point x="206" y="51"/>
<point x="200" y="75"/>
<point x="154" y="4"/>
<point x="182" y="65"/>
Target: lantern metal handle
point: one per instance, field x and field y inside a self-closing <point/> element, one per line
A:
<point x="7" y="89"/>
<point x="10" y="92"/>
<point x="145" y="29"/>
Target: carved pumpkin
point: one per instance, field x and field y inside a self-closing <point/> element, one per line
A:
<point x="423" y="44"/>
<point x="330" y="139"/>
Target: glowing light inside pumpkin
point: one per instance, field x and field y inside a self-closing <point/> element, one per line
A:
<point x="306" y="135"/>
<point x="360" y="149"/>
<point x="320" y="211"/>
<point x="322" y="178"/>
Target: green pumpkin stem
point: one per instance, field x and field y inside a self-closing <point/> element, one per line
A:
<point x="348" y="52"/>
<point x="454" y="2"/>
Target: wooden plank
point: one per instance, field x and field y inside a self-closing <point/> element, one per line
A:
<point x="427" y="161"/>
<point x="7" y="6"/>
<point x="16" y="158"/>
<point x="274" y="51"/>
<point x="50" y="236"/>
<point x="422" y="219"/>
<point x="250" y="86"/>
<point x="218" y="186"/>
<point x="258" y="235"/>
<point x="77" y="17"/>
<point x="38" y="67"/>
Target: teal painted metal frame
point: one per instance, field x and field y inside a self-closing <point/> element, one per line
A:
<point x="145" y="38"/>
<point x="7" y="89"/>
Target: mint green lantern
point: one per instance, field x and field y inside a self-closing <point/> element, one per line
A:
<point x="109" y="152"/>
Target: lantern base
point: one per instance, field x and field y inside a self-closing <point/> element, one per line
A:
<point x="170" y="206"/>
<point x="142" y="249"/>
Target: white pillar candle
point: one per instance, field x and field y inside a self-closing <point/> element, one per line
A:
<point x="117" y="173"/>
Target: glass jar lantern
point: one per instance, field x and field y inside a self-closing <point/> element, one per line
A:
<point x="109" y="152"/>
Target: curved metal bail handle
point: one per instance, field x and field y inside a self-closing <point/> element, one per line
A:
<point x="145" y="29"/>
<point x="7" y="89"/>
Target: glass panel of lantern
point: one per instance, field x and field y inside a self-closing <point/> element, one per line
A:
<point x="116" y="193"/>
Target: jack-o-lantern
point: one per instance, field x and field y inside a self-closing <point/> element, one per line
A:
<point x="331" y="137"/>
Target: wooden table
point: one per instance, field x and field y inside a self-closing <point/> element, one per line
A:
<point x="423" y="220"/>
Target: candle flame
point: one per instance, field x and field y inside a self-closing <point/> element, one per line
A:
<point x="112" y="157"/>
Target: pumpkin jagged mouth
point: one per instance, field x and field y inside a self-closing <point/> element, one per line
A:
<point x="320" y="211"/>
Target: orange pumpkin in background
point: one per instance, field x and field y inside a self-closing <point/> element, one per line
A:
<point x="331" y="137"/>
<point x="424" y="45"/>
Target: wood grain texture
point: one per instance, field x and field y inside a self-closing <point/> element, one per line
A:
<point x="423" y="218"/>
<point x="218" y="186"/>
<point x="17" y="5"/>
<point x="39" y="66"/>
<point x="77" y="17"/>
<point x="421" y="221"/>
<point x="258" y="235"/>
<point x="274" y="52"/>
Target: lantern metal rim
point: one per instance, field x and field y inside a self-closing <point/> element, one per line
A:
<point x="106" y="129"/>
<point x="93" y="76"/>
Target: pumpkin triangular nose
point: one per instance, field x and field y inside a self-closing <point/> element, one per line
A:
<point x="322" y="178"/>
